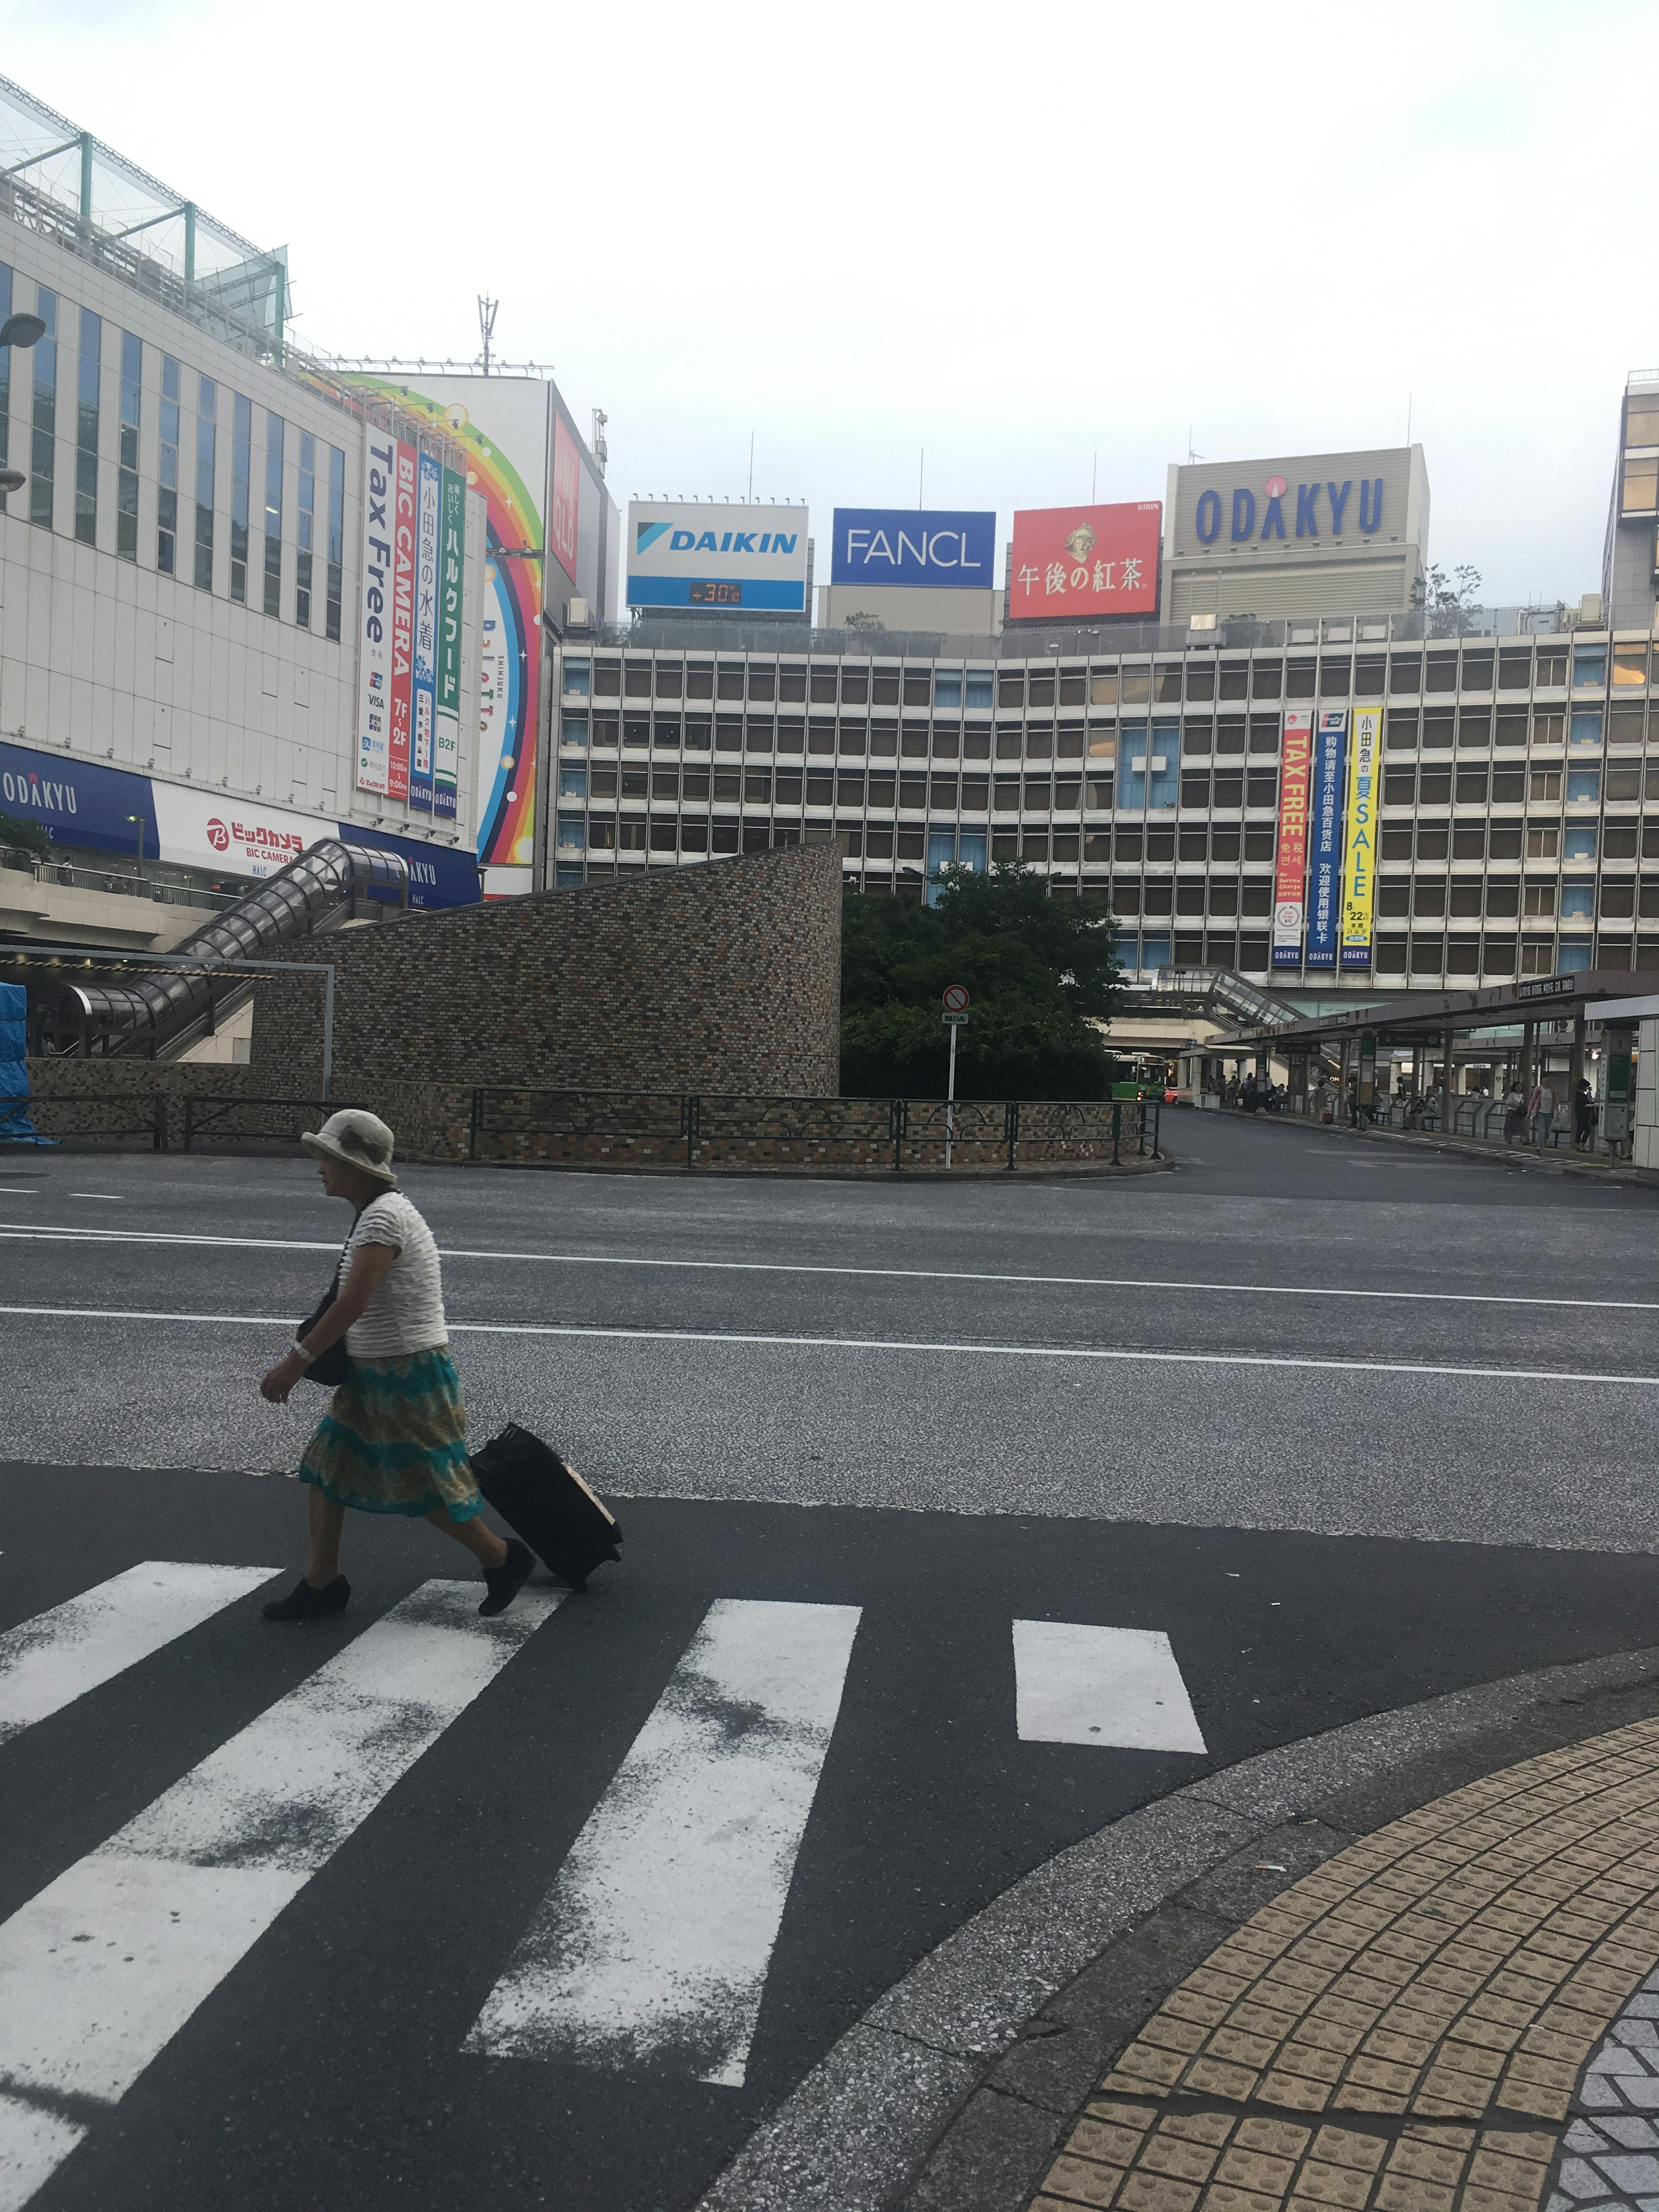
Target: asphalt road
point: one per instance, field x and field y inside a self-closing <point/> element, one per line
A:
<point x="1330" y="1504"/>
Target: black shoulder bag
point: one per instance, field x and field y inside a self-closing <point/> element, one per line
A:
<point x="332" y="1367"/>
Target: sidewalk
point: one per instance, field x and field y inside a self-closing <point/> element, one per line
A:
<point x="1456" y="2014"/>
<point x="1550" y="1161"/>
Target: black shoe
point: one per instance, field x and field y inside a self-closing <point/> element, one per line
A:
<point x="505" y="1581"/>
<point x="305" y="1603"/>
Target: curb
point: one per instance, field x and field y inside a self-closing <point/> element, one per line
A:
<point x="952" y="2091"/>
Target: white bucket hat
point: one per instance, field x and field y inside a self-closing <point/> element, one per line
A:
<point x="357" y="1140"/>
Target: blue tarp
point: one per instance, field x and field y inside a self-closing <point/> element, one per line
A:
<point x="15" y="1127"/>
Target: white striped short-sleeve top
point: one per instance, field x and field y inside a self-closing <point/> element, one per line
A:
<point x="405" y="1314"/>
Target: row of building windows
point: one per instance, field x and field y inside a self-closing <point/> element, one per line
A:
<point x="229" y="414"/>
<point x="1470" y="730"/>
<point x="1486" y="669"/>
<point x="1146" y="783"/>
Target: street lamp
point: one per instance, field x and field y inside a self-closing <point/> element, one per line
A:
<point x="19" y="331"/>
<point x="139" y="819"/>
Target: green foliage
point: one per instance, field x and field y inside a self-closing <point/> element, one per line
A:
<point x="1448" y="601"/>
<point x="16" y="829"/>
<point x="1035" y="968"/>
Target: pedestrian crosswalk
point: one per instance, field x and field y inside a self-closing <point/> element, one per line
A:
<point x="654" y="1938"/>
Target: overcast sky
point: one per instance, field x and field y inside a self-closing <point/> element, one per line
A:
<point x="1020" y="238"/>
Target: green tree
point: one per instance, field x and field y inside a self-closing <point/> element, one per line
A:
<point x="1448" y="601"/>
<point x="1037" y="970"/>
<point x="28" y="836"/>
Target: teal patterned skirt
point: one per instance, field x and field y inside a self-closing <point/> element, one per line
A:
<point x="393" y="1440"/>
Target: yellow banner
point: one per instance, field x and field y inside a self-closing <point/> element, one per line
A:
<point x="1360" y="856"/>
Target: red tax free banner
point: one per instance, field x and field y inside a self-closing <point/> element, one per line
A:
<point x="403" y="548"/>
<point x="566" y="500"/>
<point x="1077" y="561"/>
<point x="1294" y="769"/>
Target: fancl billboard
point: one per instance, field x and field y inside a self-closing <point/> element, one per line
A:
<point x="927" y="547"/>
<point x="690" y="555"/>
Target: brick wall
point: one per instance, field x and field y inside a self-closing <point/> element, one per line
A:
<point x="725" y="977"/>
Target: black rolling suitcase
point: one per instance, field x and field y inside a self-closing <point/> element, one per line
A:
<point x="548" y="1503"/>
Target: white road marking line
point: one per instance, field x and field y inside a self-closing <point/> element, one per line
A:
<point x="110" y="1197"/>
<point x="44" y="1232"/>
<point x="47" y="1662"/>
<point x="16" y="1190"/>
<point x="100" y="1969"/>
<point x="653" y="1943"/>
<point x="885" y="1344"/>
<point x="33" y="2144"/>
<point x="1076" y="1683"/>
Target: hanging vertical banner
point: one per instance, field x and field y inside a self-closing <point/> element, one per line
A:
<point x="447" y="716"/>
<point x="375" y="612"/>
<point x="1325" y="873"/>
<point x="1289" y="878"/>
<point x="429" y="502"/>
<point x="405" y="518"/>
<point x="1359" y="860"/>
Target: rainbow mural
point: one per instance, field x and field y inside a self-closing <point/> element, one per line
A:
<point x="510" y="619"/>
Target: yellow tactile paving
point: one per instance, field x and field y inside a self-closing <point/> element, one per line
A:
<point x="1400" y="2031"/>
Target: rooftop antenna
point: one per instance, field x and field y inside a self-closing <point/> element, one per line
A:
<point x="487" y="308"/>
<point x="1191" y="455"/>
<point x="601" y="450"/>
<point x="751" y="467"/>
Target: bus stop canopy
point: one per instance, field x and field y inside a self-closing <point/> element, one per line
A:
<point x="1593" y="993"/>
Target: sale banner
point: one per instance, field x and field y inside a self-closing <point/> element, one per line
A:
<point x="426" y="634"/>
<point x="1289" y="878"/>
<point x="1359" y="858"/>
<point x="447" y="720"/>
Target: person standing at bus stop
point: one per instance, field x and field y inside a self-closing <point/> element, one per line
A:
<point x="1541" y="1111"/>
<point x="393" y="1439"/>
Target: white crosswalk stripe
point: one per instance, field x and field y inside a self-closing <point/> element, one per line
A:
<point x="47" y="1662"/>
<point x="105" y="1965"/>
<point x="1078" y="1683"/>
<point x="653" y="1943"/>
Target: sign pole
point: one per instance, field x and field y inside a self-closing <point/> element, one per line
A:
<point x="951" y="1099"/>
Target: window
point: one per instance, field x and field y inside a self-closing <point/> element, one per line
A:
<point x="206" y="452"/>
<point x="43" y="441"/>
<point x="336" y="538"/>
<point x="304" y="523"/>
<point x="1552" y="669"/>
<point x="167" y="501"/>
<point x="1405" y="673"/>
<point x="1639" y="485"/>
<point x="5" y="379"/>
<point x="1577" y="901"/>
<point x="126" y="475"/>
<point x="1200" y="681"/>
<point x="1589" y="668"/>
<point x="1586" y="726"/>
<point x="1629" y="665"/>
<point x="947" y="690"/>
<point x="1579" y="842"/>
<point x="1549" y="728"/>
<point x="1475" y="728"/>
<point x="1299" y="678"/>
<point x="573" y="730"/>
<point x="1266" y="680"/>
<point x="86" y="428"/>
<point x="1545" y="783"/>
<point x="1511" y="727"/>
<point x="572" y="781"/>
<point x="979" y="686"/>
<point x="1642" y="419"/>
<point x="1102" y="687"/>
<point x="1514" y="670"/>
<point x="1584" y="785"/>
<point x="1543" y="843"/>
<point x="241" y="470"/>
<point x="1443" y="671"/>
<point x="273" y="514"/>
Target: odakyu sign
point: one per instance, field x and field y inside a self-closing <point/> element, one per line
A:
<point x="1315" y="499"/>
<point x="1274" y="492"/>
<point x="921" y="546"/>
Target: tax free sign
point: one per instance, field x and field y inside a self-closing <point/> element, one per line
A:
<point x="926" y="546"/>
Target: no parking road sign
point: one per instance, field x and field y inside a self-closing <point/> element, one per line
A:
<point x="956" y="1003"/>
